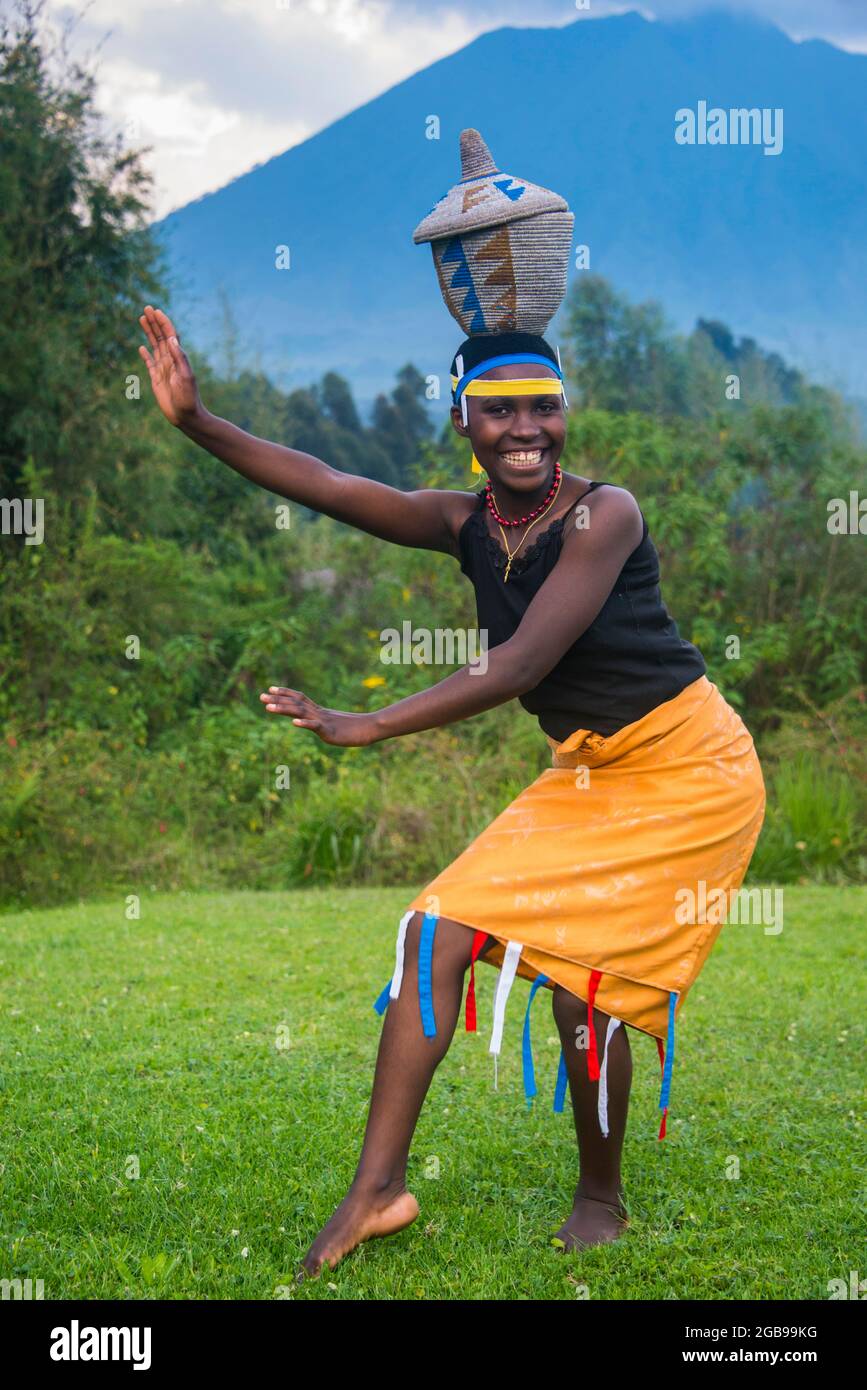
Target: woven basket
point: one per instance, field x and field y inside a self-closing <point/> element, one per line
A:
<point x="500" y="245"/>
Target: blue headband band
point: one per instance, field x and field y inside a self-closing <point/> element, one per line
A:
<point x="510" y="359"/>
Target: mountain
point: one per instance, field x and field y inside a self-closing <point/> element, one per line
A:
<point x="773" y="245"/>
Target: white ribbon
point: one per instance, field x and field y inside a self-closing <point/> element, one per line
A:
<point x="563" y="384"/>
<point x="504" y="985"/>
<point x="603" y="1077"/>
<point x="397" y="977"/>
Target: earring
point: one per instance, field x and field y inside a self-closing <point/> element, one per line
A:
<point x="475" y="465"/>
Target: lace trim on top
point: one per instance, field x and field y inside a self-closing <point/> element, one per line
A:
<point x="525" y="559"/>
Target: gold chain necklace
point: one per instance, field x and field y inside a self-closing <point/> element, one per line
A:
<point x="512" y="553"/>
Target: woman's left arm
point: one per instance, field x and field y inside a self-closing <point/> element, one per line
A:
<point x="564" y="607"/>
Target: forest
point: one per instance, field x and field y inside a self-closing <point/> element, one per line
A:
<point x="166" y="592"/>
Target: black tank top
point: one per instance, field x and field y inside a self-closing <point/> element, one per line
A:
<point x="629" y="660"/>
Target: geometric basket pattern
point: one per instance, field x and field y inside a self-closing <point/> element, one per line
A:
<point x="501" y="247"/>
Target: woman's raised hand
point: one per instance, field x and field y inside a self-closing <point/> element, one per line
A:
<point x="172" y="379"/>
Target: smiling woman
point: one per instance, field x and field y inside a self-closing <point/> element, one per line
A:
<point x="654" y="788"/>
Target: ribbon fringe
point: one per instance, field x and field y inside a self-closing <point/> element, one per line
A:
<point x="399" y="949"/>
<point x="425" y="974"/>
<point x="392" y="989"/>
<point x="527" y="1046"/>
<point x="508" y="970"/>
<point x="561" y="1084"/>
<point x="592" y="1057"/>
<point x="602" y="1103"/>
<point x="504" y="985"/>
<point x="470" y="1012"/>
<point x="666" y="1060"/>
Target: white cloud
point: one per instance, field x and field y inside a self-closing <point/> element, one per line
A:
<point x="217" y="86"/>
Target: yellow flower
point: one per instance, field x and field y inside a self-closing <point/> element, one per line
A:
<point x="371" y="632"/>
<point x="406" y="595"/>
<point x="372" y="681"/>
<point x="800" y="844"/>
<point x="112" y="690"/>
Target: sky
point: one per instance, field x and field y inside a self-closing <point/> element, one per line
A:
<point x="215" y="87"/>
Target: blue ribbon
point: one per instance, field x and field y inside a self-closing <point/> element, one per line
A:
<point x="527" y="1049"/>
<point x="425" y="971"/>
<point x="562" y="1081"/>
<point x="669" y="1054"/>
<point x="382" y="1002"/>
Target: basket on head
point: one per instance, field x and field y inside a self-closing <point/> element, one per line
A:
<point x="500" y="246"/>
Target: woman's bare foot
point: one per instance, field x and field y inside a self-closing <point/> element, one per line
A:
<point x="592" y="1222"/>
<point x="361" y="1215"/>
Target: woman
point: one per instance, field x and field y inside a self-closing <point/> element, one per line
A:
<point x="655" y="792"/>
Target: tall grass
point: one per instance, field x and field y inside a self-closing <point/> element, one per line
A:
<point x="814" y="827"/>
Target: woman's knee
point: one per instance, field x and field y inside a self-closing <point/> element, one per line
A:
<point x="452" y="942"/>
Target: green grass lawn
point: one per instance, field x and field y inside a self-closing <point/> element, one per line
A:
<point x="158" y="1042"/>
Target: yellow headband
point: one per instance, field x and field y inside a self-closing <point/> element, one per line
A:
<point x="513" y="386"/>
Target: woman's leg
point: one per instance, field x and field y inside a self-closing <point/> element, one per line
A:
<point x="598" y="1213"/>
<point x="377" y="1203"/>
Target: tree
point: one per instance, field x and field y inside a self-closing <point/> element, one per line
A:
<point x="402" y="422"/>
<point x="76" y="265"/>
<point x="622" y="355"/>
<point x="336" y="400"/>
<point x="625" y="358"/>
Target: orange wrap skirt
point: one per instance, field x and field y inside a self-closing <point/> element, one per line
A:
<point x="585" y="879"/>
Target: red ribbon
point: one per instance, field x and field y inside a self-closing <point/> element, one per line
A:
<point x="661" y="1052"/>
<point x="592" y="1055"/>
<point x="478" y="942"/>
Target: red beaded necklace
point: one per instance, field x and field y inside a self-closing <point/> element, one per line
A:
<point x="531" y="516"/>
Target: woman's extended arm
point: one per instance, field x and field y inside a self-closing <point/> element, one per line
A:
<point x="427" y="519"/>
<point x="564" y="607"/>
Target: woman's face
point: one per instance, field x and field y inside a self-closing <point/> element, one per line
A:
<point x="517" y="439"/>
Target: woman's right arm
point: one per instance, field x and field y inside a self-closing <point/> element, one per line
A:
<point x="428" y="519"/>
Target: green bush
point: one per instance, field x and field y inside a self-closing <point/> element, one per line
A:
<point x="814" y="826"/>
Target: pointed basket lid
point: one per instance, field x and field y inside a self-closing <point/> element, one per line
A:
<point x="485" y="196"/>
